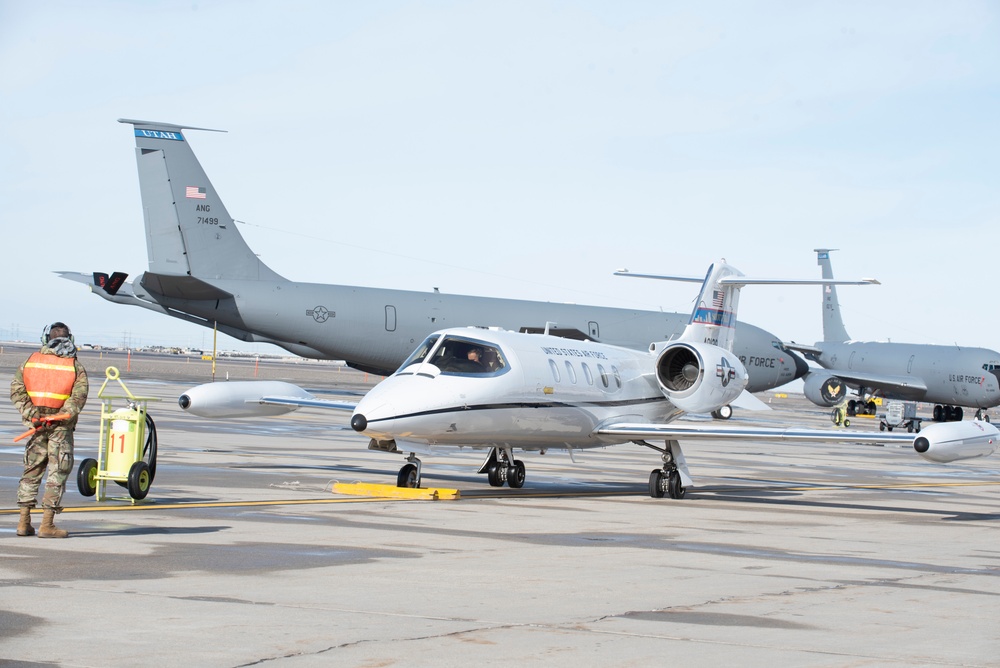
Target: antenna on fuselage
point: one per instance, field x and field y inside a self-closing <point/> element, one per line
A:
<point x="549" y="324"/>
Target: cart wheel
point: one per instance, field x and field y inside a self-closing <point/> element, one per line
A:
<point x="139" y="480"/>
<point x="86" y="477"/>
<point x="149" y="452"/>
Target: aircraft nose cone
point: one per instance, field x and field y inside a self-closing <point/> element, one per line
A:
<point x="921" y="444"/>
<point x="184" y="401"/>
<point x="801" y="368"/>
<point x="359" y="422"/>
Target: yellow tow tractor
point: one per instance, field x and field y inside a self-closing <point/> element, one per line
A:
<point x="126" y="447"/>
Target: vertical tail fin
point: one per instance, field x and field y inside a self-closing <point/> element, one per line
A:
<point x="833" y="322"/>
<point x="713" y="319"/>
<point x="188" y="230"/>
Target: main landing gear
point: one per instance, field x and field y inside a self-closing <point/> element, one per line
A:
<point x="948" y="413"/>
<point x="500" y="467"/>
<point x="672" y="478"/>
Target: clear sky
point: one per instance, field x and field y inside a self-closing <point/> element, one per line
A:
<point x="520" y="149"/>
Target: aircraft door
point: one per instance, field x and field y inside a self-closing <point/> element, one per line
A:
<point x="390" y="318"/>
<point x="595" y="331"/>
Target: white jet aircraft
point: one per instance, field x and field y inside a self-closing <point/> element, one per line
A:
<point x="504" y="391"/>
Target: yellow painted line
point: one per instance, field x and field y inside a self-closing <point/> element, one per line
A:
<point x="393" y="492"/>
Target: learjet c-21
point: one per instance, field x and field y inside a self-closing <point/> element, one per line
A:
<point x="504" y="391"/>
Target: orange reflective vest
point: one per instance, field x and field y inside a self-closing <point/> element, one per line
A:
<point x="49" y="379"/>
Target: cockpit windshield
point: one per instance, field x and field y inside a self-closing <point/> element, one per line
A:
<point x="459" y="355"/>
<point x="421" y="352"/>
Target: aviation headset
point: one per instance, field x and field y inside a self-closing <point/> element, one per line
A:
<point x="56" y="325"/>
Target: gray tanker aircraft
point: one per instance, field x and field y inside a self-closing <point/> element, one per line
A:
<point x="951" y="377"/>
<point x="487" y="389"/>
<point x="201" y="270"/>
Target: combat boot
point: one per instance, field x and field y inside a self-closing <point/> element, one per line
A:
<point x="24" y="527"/>
<point x="48" y="529"/>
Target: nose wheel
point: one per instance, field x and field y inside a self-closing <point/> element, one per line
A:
<point x="409" y="475"/>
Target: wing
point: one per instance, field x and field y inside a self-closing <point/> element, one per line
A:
<point x="302" y="402"/>
<point x="907" y="385"/>
<point x="941" y="442"/>
<point x="673" y="431"/>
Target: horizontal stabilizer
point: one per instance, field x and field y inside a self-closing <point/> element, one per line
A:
<point x="181" y="287"/>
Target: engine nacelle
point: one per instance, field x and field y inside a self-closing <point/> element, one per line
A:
<point x="945" y="442"/>
<point x="699" y="377"/>
<point x="240" y="398"/>
<point x="823" y="388"/>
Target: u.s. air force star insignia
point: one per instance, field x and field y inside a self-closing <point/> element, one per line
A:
<point x="725" y="372"/>
<point x="320" y="314"/>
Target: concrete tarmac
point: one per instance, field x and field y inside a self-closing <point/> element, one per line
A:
<point x="807" y="555"/>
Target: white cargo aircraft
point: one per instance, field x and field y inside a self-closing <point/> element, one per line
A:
<point x="504" y="391"/>
<point x="948" y="376"/>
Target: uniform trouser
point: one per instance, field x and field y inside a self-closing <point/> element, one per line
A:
<point x="52" y="449"/>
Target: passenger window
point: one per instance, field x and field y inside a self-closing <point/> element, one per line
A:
<point x="618" y="377"/>
<point x="604" y="376"/>
<point x="570" y="372"/>
<point x="555" y="370"/>
<point x="587" y="374"/>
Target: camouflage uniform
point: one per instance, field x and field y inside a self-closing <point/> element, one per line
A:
<point x="51" y="447"/>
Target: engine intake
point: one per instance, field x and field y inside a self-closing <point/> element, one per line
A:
<point x="699" y="377"/>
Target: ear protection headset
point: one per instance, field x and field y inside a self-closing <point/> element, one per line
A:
<point x="55" y="325"/>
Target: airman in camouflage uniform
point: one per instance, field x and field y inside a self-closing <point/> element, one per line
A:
<point x="52" y="444"/>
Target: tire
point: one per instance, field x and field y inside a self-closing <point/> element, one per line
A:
<point x="139" y="480"/>
<point x="407" y="477"/>
<point x="674" y="487"/>
<point x="847" y="423"/>
<point x="86" y="477"/>
<point x="493" y="475"/>
<point x="881" y="426"/>
<point x="655" y="483"/>
<point x="958" y="414"/>
<point x="516" y="474"/>
<point x="149" y="451"/>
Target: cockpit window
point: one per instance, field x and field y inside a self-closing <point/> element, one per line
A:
<point x="421" y="353"/>
<point x="467" y="356"/>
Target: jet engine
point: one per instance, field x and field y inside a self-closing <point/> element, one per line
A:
<point x="945" y="442"/>
<point x="823" y="388"/>
<point x="699" y="377"/>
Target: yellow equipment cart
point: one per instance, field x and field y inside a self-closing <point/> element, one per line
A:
<point x="126" y="447"/>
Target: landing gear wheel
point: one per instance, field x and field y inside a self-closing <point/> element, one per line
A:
<point x="516" y="474"/>
<point x="86" y="477"/>
<point x="674" y="487"/>
<point x="938" y="414"/>
<point x="656" y="483"/>
<point x="494" y="476"/>
<point x="139" y="480"/>
<point x="958" y="414"/>
<point x="407" y="476"/>
<point x="870" y="408"/>
<point x="852" y="407"/>
<point x="723" y="413"/>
